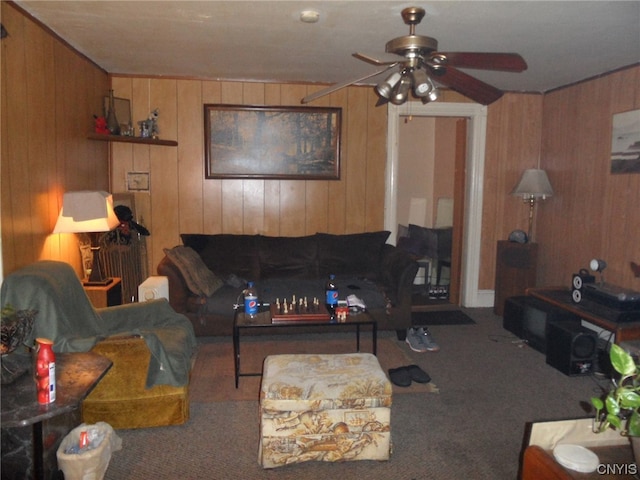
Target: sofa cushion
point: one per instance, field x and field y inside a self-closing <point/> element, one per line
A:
<point x="286" y="257"/>
<point x="200" y="280"/>
<point x="227" y="254"/>
<point x="353" y="254"/>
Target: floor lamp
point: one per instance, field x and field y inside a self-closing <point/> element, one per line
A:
<point x="88" y="212"/>
<point x="533" y="186"/>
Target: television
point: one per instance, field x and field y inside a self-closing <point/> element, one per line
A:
<point x="528" y="317"/>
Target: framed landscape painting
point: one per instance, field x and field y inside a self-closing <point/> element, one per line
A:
<point x="272" y="142"/>
<point x="625" y="142"/>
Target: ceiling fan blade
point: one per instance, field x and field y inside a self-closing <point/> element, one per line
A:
<point x="506" y="62"/>
<point x="467" y="85"/>
<point x="338" y="86"/>
<point x="377" y="61"/>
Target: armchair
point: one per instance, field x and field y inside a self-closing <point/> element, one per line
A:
<point x="151" y="346"/>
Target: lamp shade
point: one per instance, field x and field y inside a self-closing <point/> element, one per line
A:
<point x="86" y="211"/>
<point x="533" y="184"/>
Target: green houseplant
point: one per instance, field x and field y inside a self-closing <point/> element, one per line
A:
<point x="620" y="408"/>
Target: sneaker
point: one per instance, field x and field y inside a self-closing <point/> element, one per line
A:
<point x="429" y="344"/>
<point x="415" y="341"/>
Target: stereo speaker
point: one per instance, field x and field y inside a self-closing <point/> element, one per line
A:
<point x="577" y="284"/>
<point x="571" y="348"/>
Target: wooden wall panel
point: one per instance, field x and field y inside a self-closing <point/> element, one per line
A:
<point x="593" y="214"/>
<point x="182" y="200"/>
<point x="513" y="145"/>
<point x="49" y="95"/>
<point x="376" y="164"/>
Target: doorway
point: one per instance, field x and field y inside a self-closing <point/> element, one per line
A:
<point x="430" y="200"/>
<point x="471" y="203"/>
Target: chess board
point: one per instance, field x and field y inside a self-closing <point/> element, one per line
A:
<point x="296" y="313"/>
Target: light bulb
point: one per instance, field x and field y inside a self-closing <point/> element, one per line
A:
<point x="401" y="92"/>
<point x="385" y="88"/>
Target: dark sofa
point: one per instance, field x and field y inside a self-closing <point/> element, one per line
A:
<point x="364" y="264"/>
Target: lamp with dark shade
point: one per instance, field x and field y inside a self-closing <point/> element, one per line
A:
<point x="534" y="186"/>
<point x="88" y="212"/>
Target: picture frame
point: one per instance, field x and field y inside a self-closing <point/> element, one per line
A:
<point x="138" y="181"/>
<point x="625" y="142"/>
<point x="272" y="142"/>
<point x="123" y="109"/>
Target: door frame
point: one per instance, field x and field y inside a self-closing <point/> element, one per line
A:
<point x="470" y="296"/>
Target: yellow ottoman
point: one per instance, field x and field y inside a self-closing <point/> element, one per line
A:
<point x="324" y="407"/>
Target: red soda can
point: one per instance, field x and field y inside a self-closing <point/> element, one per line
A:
<point x="84" y="440"/>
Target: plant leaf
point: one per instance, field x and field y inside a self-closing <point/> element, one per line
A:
<point x="629" y="399"/>
<point x="614" y="420"/>
<point x="613" y="408"/>
<point x="621" y="360"/>
<point x="597" y="403"/>
<point x="634" y="424"/>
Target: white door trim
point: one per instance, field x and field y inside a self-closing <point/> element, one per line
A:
<point x="476" y="140"/>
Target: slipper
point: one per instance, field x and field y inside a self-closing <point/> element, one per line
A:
<point x="417" y="374"/>
<point x="400" y="376"/>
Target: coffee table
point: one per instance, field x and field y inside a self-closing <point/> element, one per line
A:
<point x="263" y="320"/>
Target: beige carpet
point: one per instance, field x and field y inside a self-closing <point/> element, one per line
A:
<point x="213" y="379"/>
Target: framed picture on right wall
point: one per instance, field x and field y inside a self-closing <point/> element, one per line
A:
<point x="625" y="142"/>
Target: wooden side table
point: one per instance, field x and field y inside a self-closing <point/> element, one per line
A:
<point x="105" y="295"/>
<point x="516" y="270"/>
<point x="31" y="433"/>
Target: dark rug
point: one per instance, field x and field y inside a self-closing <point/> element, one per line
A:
<point x="441" y="317"/>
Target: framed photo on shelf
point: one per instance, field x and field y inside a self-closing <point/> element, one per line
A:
<point x="272" y="142"/>
<point x="123" y="109"/>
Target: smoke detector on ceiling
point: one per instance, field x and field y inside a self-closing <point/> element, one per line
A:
<point x="309" y="16"/>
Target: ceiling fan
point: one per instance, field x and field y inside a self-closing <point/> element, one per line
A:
<point x="422" y="66"/>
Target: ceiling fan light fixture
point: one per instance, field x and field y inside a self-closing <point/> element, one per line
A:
<point x="385" y="88"/>
<point x="421" y="84"/>
<point x="432" y="97"/>
<point x="401" y="92"/>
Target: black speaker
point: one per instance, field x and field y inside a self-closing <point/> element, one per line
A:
<point x="571" y="348"/>
<point x="577" y="284"/>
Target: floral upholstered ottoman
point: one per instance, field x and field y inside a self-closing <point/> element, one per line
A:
<point x="324" y="407"/>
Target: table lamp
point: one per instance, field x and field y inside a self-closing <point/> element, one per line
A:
<point x="533" y="186"/>
<point x="88" y="212"/>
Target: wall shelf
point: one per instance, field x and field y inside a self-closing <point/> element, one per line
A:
<point x="125" y="139"/>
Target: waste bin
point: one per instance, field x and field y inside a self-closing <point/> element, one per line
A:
<point x="88" y="462"/>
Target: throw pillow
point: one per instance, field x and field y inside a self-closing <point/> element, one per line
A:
<point x="200" y="280"/>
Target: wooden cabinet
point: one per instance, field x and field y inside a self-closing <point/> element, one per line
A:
<point x="105" y="295"/>
<point x="516" y="270"/>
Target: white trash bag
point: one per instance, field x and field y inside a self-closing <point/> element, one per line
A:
<point x="89" y="461"/>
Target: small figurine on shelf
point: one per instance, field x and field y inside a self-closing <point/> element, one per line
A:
<point x="149" y="127"/>
<point x="101" y="125"/>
